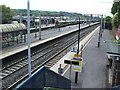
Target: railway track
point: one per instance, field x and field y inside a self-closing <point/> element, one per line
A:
<point x="47" y="56"/>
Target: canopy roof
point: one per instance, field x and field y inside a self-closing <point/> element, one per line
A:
<point x="11" y="27"/>
<point x="113" y="47"/>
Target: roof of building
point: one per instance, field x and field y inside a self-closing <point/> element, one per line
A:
<point x="11" y="27"/>
<point x="113" y="47"/>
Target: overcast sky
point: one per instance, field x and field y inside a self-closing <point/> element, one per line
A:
<point x="79" y="6"/>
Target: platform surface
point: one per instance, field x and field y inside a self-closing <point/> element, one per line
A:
<point x="94" y="74"/>
<point x="46" y="36"/>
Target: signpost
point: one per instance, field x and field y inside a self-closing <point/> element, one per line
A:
<point x="77" y="60"/>
<point x="76" y="64"/>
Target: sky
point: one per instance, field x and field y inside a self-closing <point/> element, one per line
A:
<point x="79" y="6"/>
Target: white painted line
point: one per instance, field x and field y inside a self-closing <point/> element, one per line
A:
<point x="66" y="70"/>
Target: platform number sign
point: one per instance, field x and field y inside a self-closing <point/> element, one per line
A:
<point x="78" y="58"/>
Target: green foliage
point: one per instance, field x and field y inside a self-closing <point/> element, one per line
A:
<point x="115" y="10"/>
<point x="45" y="13"/>
<point x="19" y="11"/>
<point x="7" y="14"/>
<point x="115" y="7"/>
<point x="115" y="21"/>
<point x="108" y="19"/>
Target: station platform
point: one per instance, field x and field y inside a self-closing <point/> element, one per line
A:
<point x="47" y="35"/>
<point x="94" y="73"/>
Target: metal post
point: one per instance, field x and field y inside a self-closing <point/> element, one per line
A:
<point x="100" y="33"/>
<point x="76" y="73"/>
<point x="20" y="18"/>
<point x="101" y="25"/>
<point x="60" y="70"/>
<point x="47" y="21"/>
<point x="89" y="20"/>
<point x="81" y="50"/>
<point x="70" y="70"/>
<point x="104" y="22"/>
<point x="113" y="70"/>
<point x="39" y="26"/>
<point x="78" y="37"/>
<point x="28" y="29"/>
<point x="54" y="22"/>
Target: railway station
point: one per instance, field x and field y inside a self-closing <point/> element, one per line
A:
<point x="60" y="50"/>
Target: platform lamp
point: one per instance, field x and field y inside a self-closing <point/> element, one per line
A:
<point x="100" y="31"/>
<point x="39" y="26"/>
<point x="76" y="73"/>
<point x="28" y="30"/>
<point x="20" y="18"/>
<point x="47" y="19"/>
<point x="104" y="21"/>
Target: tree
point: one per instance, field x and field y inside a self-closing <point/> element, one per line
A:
<point x="7" y="14"/>
<point x="114" y="7"/>
<point x="108" y="19"/>
<point x="115" y="21"/>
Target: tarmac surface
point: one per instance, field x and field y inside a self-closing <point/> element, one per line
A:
<point x="94" y="73"/>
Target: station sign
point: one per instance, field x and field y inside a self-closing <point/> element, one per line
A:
<point x="76" y="63"/>
<point x="78" y="58"/>
<point x="77" y="68"/>
<point x="71" y="62"/>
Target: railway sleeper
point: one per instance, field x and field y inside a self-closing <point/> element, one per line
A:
<point x="7" y="71"/>
<point x="4" y="74"/>
<point x="47" y="66"/>
<point x="15" y="67"/>
<point x="19" y="65"/>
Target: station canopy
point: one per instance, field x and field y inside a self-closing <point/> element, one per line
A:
<point x="113" y="47"/>
<point x="4" y="28"/>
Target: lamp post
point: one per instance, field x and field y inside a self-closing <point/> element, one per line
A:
<point x="78" y="37"/>
<point x="39" y="26"/>
<point x="104" y="22"/>
<point x="101" y="24"/>
<point x="20" y="18"/>
<point x="100" y="32"/>
<point x="28" y="30"/>
<point x="76" y="73"/>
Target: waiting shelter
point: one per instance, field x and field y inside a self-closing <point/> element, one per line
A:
<point x="12" y="34"/>
<point x="113" y="50"/>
